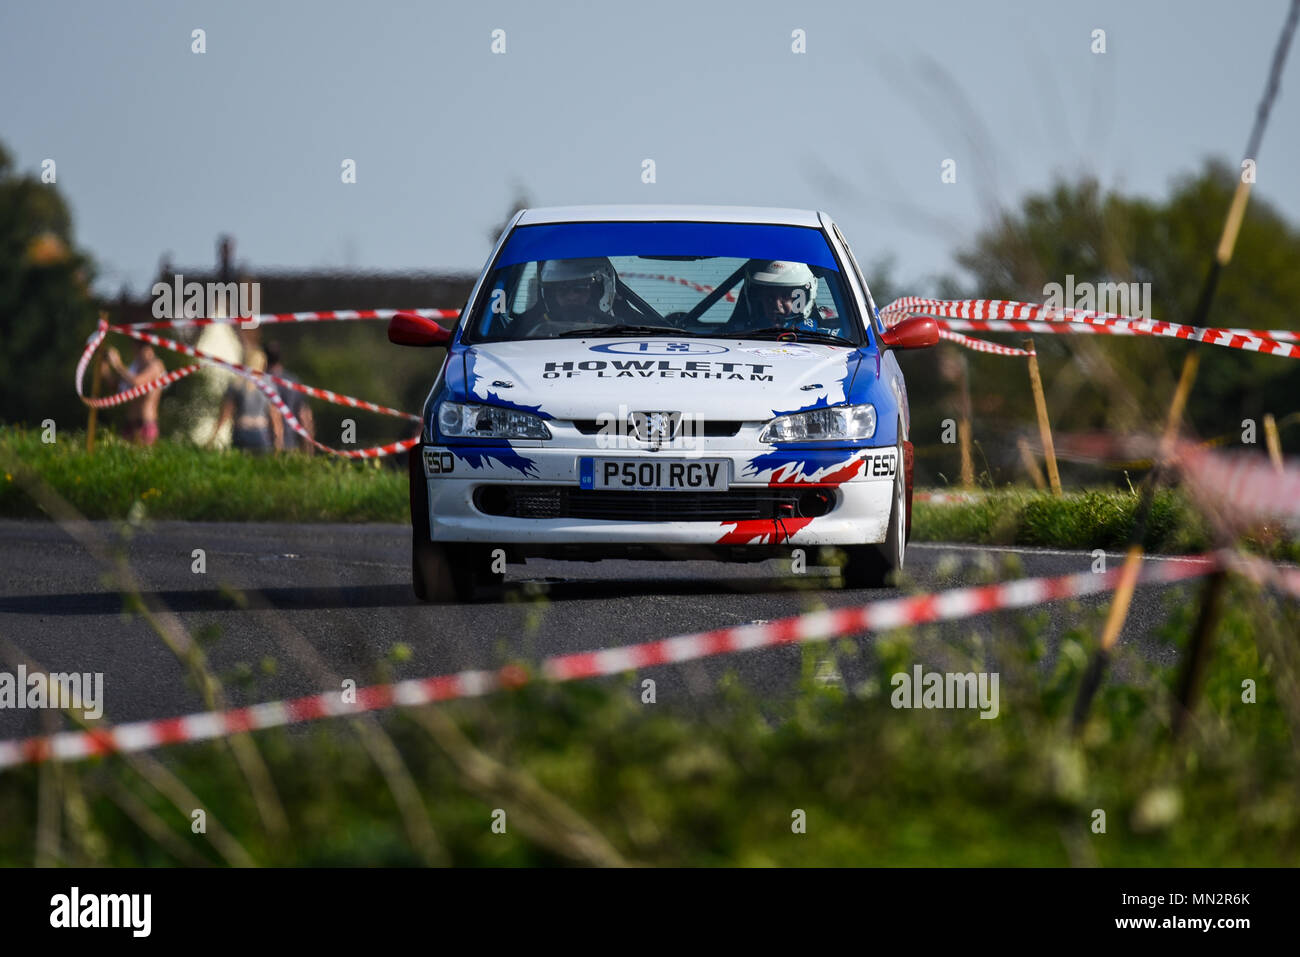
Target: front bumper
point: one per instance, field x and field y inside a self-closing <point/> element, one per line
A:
<point x="854" y="486"/>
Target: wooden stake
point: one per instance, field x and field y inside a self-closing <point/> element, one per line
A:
<point x="967" y="464"/>
<point x="963" y="426"/>
<point x="1232" y="226"/>
<point x="1030" y="463"/>
<point x="1119" y="605"/>
<point x="1198" y="650"/>
<point x="1044" y="426"/>
<point x="1191" y="364"/>
<point x="94" y="394"/>
<point x="1273" y="441"/>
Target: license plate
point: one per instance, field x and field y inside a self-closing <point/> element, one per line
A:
<point x="655" y="475"/>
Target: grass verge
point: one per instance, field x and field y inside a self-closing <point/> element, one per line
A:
<point x="1093" y="518"/>
<point x="175" y="481"/>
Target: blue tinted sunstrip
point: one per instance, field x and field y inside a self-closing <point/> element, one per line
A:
<point x="733" y="240"/>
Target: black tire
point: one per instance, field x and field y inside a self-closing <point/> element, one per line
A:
<point x="442" y="572"/>
<point x="874" y="566"/>
<point x="446" y="573"/>
<point x="435" y="573"/>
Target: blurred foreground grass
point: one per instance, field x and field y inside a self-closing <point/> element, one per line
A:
<point x="720" y="782"/>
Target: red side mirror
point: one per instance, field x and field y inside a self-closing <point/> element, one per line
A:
<point x="409" y="329"/>
<point x="915" y="333"/>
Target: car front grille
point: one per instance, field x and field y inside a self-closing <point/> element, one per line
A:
<point x="564" y="501"/>
<point x="708" y="428"/>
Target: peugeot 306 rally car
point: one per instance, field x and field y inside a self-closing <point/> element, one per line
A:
<point x="662" y="382"/>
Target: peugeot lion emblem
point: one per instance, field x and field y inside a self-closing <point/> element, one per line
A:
<point x="655" y="428"/>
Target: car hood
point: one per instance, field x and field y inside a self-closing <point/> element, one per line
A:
<point x="718" y="378"/>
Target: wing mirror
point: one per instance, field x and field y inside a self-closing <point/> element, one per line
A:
<point x="409" y="329"/>
<point x="915" y="333"/>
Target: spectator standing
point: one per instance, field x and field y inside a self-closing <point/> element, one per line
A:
<point x="295" y="401"/>
<point x="141" y="424"/>
<point x="257" y="427"/>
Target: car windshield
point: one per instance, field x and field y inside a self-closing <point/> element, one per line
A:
<point x="633" y="280"/>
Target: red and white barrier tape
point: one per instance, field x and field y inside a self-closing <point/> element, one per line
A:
<point x="875" y="616"/>
<point x="1244" y="483"/>
<point x="946" y="498"/>
<point x="689" y="284"/>
<point x="1000" y="315"/>
<point x="329" y="315"/>
<point x="1285" y="578"/>
<point x="981" y="345"/>
<point x="953" y="316"/>
<point x="130" y="395"/>
<point x="1011" y="309"/>
<point x="265" y="381"/>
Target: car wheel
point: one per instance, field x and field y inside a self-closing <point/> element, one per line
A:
<point x="439" y="574"/>
<point x="872" y="566"/>
<point x="451" y="572"/>
<point x="441" y="571"/>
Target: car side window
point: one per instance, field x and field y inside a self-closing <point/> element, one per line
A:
<point x="862" y="281"/>
<point x="513" y="293"/>
<point x="526" y="290"/>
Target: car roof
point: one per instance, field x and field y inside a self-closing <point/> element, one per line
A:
<point x="660" y="213"/>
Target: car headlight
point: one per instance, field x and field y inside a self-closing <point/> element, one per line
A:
<point x="845" y="422"/>
<point x="459" y="420"/>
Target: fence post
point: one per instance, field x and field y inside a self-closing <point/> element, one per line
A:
<point x="1198" y="650"/>
<point x="93" y="418"/>
<point x="1273" y="441"/>
<point x="963" y="427"/>
<point x="1123" y="597"/>
<point x="1031" y="463"/>
<point x="1044" y="426"/>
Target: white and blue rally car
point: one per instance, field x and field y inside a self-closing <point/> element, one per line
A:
<point x="662" y="382"/>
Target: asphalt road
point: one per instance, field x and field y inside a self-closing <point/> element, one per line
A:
<point x="330" y="601"/>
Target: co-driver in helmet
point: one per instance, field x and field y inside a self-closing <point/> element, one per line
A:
<point x="574" y="294"/>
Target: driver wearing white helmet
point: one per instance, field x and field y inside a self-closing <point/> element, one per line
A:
<point x="782" y="293"/>
<point x="574" y="294"/>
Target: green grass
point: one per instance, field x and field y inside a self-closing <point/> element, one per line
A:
<point x="176" y="481"/>
<point x="879" y="786"/>
<point x="1093" y="518"/>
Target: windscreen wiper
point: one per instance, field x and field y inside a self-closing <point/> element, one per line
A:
<point x="623" y="329"/>
<point x="797" y="335"/>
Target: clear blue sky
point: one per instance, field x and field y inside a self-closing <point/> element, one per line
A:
<point x="159" y="150"/>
